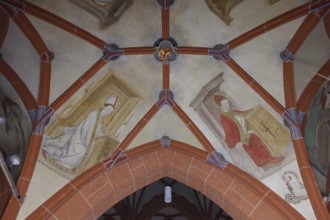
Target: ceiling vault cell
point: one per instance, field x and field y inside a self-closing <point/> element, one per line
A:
<point x="293" y="117"/>
<point x="20" y="87"/>
<point x="46" y="56"/>
<point x="51" y="18"/>
<point x="165" y="98"/>
<point x="276" y="22"/>
<point x="49" y="111"/>
<point x="256" y="86"/>
<point x="295" y="43"/>
<point x="193" y="128"/>
<point x="16" y="10"/>
<point x="313" y="87"/>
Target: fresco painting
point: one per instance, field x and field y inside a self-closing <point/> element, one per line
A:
<point x="85" y="132"/>
<point x="251" y="128"/>
<point x="222" y="8"/>
<point x="317" y="131"/>
<point x="296" y="188"/>
<point x="70" y="148"/>
<point x="254" y="139"/>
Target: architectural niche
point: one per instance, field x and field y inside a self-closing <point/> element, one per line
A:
<point x="68" y="118"/>
<point x="108" y="11"/>
<point x="222" y="8"/>
<point x="257" y="122"/>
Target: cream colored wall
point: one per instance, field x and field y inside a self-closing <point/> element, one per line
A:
<point x="277" y="184"/>
<point x="312" y="55"/>
<point x="43" y="185"/>
<point x="191" y="25"/>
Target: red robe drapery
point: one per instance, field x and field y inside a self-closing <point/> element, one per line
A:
<point x="255" y="147"/>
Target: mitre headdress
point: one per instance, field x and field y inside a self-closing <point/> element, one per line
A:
<point x="111" y="100"/>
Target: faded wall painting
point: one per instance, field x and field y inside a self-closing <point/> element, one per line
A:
<point x="296" y="188"/>
<point x="254" y="139"/>
<point x="85" y="131"/>
<point x="15" y="131"/>
<point x="222" y="8"/>
<point x="317" y="131"/>
<point x="108" y="11"/>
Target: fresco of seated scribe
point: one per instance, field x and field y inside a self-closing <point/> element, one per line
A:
<point x="85" y="132"/>
<point x="253" y="138"/>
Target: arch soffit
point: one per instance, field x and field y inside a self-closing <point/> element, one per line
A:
<point x="99" y="188"/>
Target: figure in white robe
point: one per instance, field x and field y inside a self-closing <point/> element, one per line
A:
<point x="70" y="148"/>
<point x="295" y="187"/>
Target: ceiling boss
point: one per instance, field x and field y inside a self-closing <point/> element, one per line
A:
<point x="165" y="51"/>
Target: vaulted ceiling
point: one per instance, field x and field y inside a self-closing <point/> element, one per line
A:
<point x="273" y="54"/>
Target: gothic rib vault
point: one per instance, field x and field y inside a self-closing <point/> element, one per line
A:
<point x="168" y="75"/>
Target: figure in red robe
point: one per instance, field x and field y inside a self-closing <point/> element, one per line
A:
<point x="235" y="129"/>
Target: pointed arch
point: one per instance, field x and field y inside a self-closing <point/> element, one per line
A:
<point x="98" y="189"/>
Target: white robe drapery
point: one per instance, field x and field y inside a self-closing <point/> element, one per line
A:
<point x="70" y="148"/>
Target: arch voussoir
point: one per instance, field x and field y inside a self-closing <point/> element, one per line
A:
<point x="103" y="189"/>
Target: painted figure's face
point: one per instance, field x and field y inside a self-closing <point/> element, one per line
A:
<point x="107" y="110"/>
<point x="224" y="104"/>
<point x="287" y="178"/>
